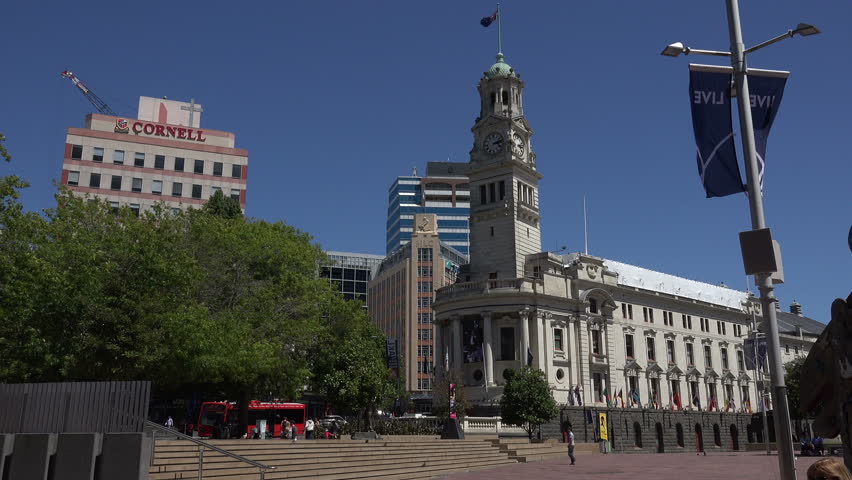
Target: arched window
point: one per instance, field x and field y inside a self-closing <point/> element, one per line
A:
<point x="679" y="431"/>
<point x="717" y="435"/>
<point x="637" y="435"/>
<point x="505" y="97"/>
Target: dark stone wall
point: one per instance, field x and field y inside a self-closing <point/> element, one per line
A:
<point x="634" y="430"/>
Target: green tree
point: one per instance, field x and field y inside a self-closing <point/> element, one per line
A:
<point x="350" y="369"/>
<point x="3" y="152"/>
<point x="527" y="400"/>
<point x="440" y="393"/>
<point x="223" y="206"/>
<point x="792" y="377"/>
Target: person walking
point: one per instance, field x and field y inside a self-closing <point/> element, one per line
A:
<point x="571" y="445"/>
<point x="309" y="429"/>
<point x="170" y="423"/>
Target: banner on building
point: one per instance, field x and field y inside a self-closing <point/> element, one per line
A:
<point x="710" y="98"/>
<point x="392" y="352"/>
<point x="602" y="426"/>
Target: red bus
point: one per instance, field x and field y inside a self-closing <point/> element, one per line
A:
<point x="228" y="414"/>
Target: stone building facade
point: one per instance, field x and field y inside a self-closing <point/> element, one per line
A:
<point x="601" y="330"/>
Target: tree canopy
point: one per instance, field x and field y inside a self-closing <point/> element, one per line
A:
<point x="527" y="400"/>
<point x="205" y="300"/>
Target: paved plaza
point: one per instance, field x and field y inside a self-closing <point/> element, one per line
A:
<point x="727" y="466"/>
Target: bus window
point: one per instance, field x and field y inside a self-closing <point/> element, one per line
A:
<point x="212" y="414"/>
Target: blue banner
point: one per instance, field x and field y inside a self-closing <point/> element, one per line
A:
<point x="710" y="96"/>
<point x="765" y="93"/>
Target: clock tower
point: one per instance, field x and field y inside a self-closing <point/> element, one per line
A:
<point x="504" y="209"/>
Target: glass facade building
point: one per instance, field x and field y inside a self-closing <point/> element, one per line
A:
<point x="444" y="191"/>
<point x="351" y="272"/>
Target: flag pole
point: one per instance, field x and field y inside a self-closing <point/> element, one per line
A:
<point x="499" y="31"/>
<point x="585" y="227"/>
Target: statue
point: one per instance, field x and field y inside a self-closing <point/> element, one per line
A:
<point x="827" y="378"/>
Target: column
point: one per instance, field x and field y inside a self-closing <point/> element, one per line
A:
<point x="525" y="334"/>
<point x="488" y="358"/>
<point x="438" y="342"/>
<point x="548" y="343"/>
<point x="571" y="343"/>
<point x="543" y="351"/>
<point x="456" y="360"/>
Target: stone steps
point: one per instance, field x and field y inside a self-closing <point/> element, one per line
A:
<point x="327" y="460"/>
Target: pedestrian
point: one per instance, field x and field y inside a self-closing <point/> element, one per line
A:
<point x="334" y="430"/>
<point x="571" y="445"/>
<point x="294" y="432"/>
<point x="829" y="469"/>
<point x="285" y="429"/>
<point x="309" y="429"/>
<point x="169" y="422"/>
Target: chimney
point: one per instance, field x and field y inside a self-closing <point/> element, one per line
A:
<point x="796" y="308"/>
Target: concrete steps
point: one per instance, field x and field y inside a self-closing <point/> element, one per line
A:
<point x="327" y="459"/>
<point x="521" y="450"/>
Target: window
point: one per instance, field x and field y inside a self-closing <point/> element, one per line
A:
<point x="424" y="302"/>
<point x="670" y="351"/>
<point x="157" y="187"/>
<point x="596" y="342"/>
<point x="683" y="320"/>
<point x="492" y="192"/>
<point x="628" y="345"/>
<point x="177" y="189"/>
<point x="196" y="191"/>
<point x="708" y="357"/>
<point x="424" y="254"/>
<point x="424" y="350"/>
<point x="199" y="166"/>
<point x="557" y="339"/>
<point x="115" y="183"/>
<point x="159" y="162"/>
<point x="136" y="185"/>
<point x="597" y="385"/>
<point x="98" y="154"/>
<point x="502" y="189"/>
<point x="138" y="159"/>
<point x="424" y="287"/>
<point x="235" y="194"/>
<point x="627" y="311"/>
<point x="482" y="198"/>
<point x="740" y="361"/>
<point x="424" y="271"/>
<point x="113" y="206"/>
<point x="796" y="349"/>
<point x="593" y="305"/>
<point x="507" y="343"/>
<point x="651" y="314"/>
<point x="134" y="207"/>
<point x="652" y="351"/>
<point x="175" y="211"/>
<point x="690" y="355"/>
<point x="178" y="164"/>
<point x="77" y="152"/>
<point x="73" y="178"/>
<point x="213" y="190"/>
<point x="217" y="169"/>
<point x="724" y="353"/>
<point x="786" y="348"/>
<point x="236" y="171"/>
<point x="118" y="157"/>
<point x="424" y="334"/>
<point x="424" y="318"/>
<point x="492" y="231"/>
<point x="95" y="182"/>
<point x="648" y="314"/>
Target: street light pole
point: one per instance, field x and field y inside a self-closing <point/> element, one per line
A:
<point x="781" y="413"/>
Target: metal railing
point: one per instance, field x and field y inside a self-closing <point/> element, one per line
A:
<point x="202" y="445"/>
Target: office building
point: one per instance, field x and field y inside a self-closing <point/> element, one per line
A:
<point x="351" y="272"/>
<point x="444" y="191"/>
<point x="163" y="156"/>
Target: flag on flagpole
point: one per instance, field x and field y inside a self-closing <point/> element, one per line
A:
<point x="677" y="401"/>
<point x="712" y="405"/>
<point x="696" y="401"/>
<point x="486" y="21"/>
<point x="529" y="357"/>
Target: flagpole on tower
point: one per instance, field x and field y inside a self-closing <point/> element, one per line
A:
<point x="499" y="31"/>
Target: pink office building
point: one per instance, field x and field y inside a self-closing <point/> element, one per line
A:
<point x="161" y="156"/>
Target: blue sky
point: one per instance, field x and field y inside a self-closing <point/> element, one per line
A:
<point x="333" y="100"/>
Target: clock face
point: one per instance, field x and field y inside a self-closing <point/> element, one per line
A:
<point x="493" y="143"/>
<point x="518" y="145"/>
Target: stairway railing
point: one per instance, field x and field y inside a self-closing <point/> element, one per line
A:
<point x="202" y="445"/>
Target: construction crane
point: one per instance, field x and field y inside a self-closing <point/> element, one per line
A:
<point x="90" y="95"/>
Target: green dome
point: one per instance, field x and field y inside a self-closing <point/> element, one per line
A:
<point x="500" y="69"/>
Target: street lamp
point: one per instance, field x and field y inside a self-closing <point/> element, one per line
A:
<point x="764" y="283"/>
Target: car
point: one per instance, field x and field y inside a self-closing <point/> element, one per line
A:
<point x="328" y="419"/>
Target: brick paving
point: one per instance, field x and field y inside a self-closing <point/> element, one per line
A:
<point x="727" y="466"/>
